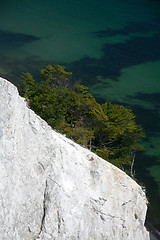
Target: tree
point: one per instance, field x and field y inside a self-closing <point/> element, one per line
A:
<point x="55" y="75"/>
<point x="109" y="130"/>
<point x="27" y="89"/>
<point x="121" y="134"/>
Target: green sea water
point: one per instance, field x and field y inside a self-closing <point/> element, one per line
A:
<point x="113" y="47"/>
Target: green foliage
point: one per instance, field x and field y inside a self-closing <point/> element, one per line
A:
<point x="109" y="130"/>
<point x="28" y="87"/>
<point x="78" y="132"/>
<point x="55" y="74"/>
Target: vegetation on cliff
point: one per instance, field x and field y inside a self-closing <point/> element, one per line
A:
<point x="109" y="130"/>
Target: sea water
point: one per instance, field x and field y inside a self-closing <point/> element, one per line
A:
<point x="113" y="47"/>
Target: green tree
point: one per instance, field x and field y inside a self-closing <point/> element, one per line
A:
<point x="109" y="130"/>
<point x="121" y="134"/>
<point x="55" y="75"/>
<point x="27" y="89"/>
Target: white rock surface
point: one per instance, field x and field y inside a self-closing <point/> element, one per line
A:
<point x="52" y="188"/>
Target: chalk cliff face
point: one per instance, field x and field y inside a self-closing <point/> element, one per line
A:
<point x="52" y="188"/>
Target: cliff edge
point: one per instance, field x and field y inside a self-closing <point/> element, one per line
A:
<point x="52" y="188"/>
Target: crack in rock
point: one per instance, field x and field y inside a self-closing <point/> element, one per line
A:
<point x="104" y="216"/>
<point x="99" y="201"/>
<point x="126" y="202"/>
<point x="44" y="211"/>
<point x="98" y="211"/>
<point x="59" y="221"/>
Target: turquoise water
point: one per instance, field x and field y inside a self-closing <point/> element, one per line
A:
<point x="111" y="46"/>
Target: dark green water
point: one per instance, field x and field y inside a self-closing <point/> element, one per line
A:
<point x="111" y="46"/>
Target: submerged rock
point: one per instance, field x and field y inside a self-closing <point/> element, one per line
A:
<point x="52" y="188"/>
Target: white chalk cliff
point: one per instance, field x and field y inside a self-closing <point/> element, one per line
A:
<point x="52" y="188"/>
